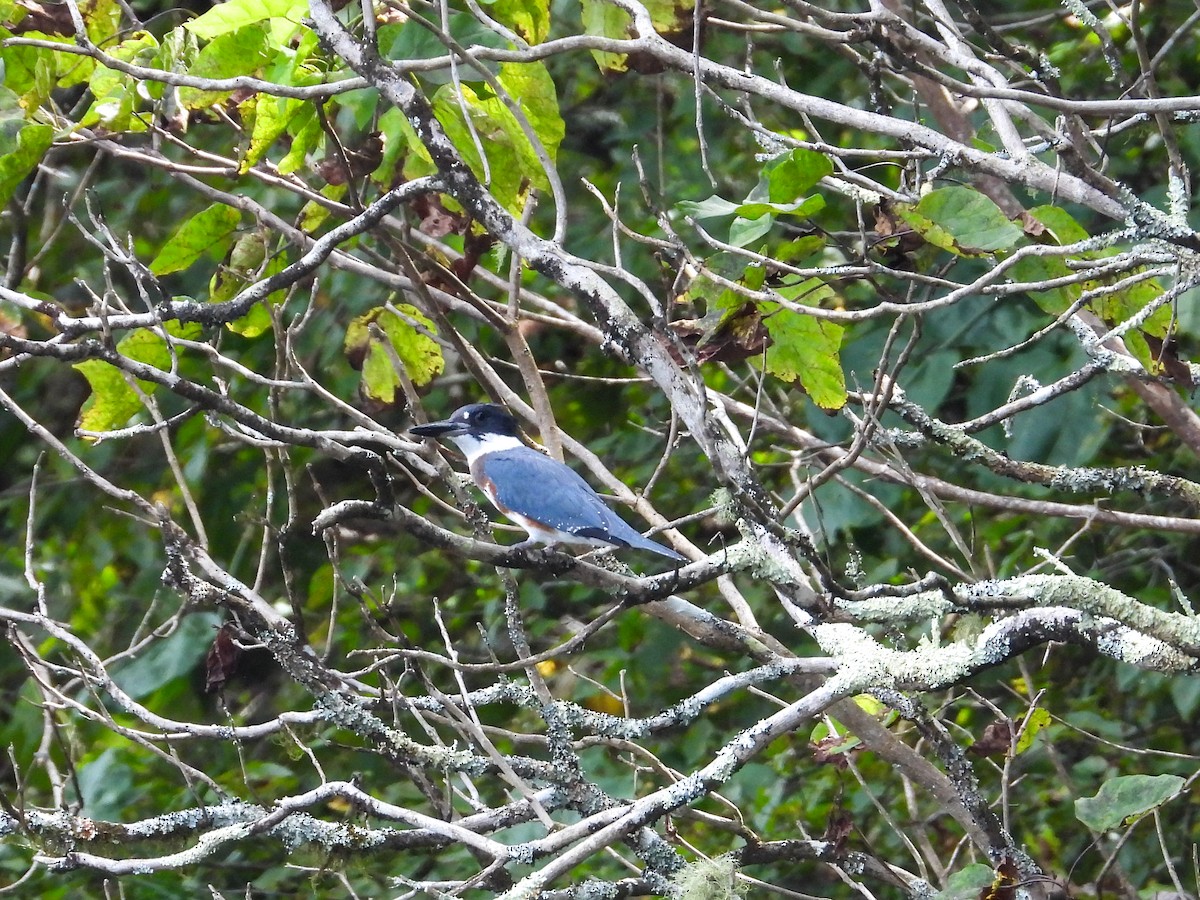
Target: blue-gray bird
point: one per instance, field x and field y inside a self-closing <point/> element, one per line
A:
<point x="545" y="497"/>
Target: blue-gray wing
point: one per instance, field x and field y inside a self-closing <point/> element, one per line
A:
<point x="540" y="488"/>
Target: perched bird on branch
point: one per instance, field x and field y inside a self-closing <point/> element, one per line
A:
<point x="545" y="497"/>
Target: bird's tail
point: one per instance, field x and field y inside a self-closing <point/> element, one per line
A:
<point x="644" y="543"/>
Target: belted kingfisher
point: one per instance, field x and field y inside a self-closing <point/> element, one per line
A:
<point x="545" y="497"/>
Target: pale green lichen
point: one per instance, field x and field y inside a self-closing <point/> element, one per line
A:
<point x="708" y="879"/>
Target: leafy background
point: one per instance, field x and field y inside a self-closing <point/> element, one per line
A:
<point x="206" y="191"/>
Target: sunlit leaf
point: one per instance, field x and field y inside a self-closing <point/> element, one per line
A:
<point x="793" y="174"/>
<point x="228" y="17"/>
<point x="416" y="351"/>
<point x="528" y="18"/>
<point x="116" y="93"/>
<point x="606" y="20"/>
<point x="113" y="402"/>
<point x="102" y="18"/>
<point x="1034" y="723"/>
<point x="272" y="116"/>
<point x="305" y="129"/>
<point x="207" y="232"/>
<point x="241" y="52"/>
<point x="532" y="87"/>
<point x="511" y="165"/>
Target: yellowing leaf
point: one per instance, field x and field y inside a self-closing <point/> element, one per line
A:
<point x="271" y="117"/>
<point x="605" y="20"/>
<point x="605" y="703"/>
<point x="305" y="129"/>
<point x="113" y="401"/>
<point x="532" y="87"/>
<point x="670" y="16"/>
<point x="418" y="353"/>
<point x="528" y="18"/>
<point x="961" y="220"/>
<point x="512" y="164"/>
<point x="1035" y="722"/>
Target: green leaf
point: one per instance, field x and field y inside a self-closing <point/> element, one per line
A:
<point x="602" y="19"/>
<point x="117" y="94"/>
<point x="962" y="220"/>
<point x="314" y="214"/>
<point x="1034" y="722"/>
<point x="791" y="175"/>
<point x="206" y="232"/>
<point x="1059" y="224"/>
<point x="1033" y="269"/>
<point x="228" y="17"/>
<point x="418" y="353"/>
<point x="754" y="217"/>
<point x="173" y="657"/>
<point x="22" y="146"/>
<point x="872" y="706"/>
<point x="1124" y="797"/>
<point x="806" y="348"/>
<point x="178" y="51"/>
<point x="105" y="784"/>
<point x="246" y="263"/>
<point x="410" y="41"/>
<point x="712" y="208"/>
<point x="532" y="87"/>
<point x="102" y="18"/>
<point x="1129" y="301"/>
<point x="743" y="231"/>
<point x="242" y="52"/>
<point x="805" y="207"/>
<point x="305" y="129"/>
<point x="969" y="883"/>
<point x="512" y="164"/>
<point x="271" y="118"/>
<point x="528" y="18"/>
<point x="113" y="402"/>
<point x="800" y="249"/>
